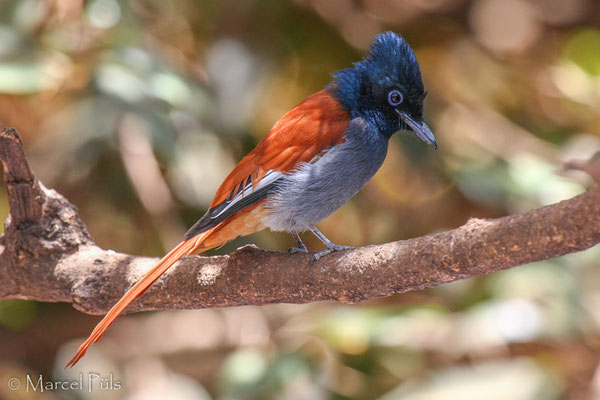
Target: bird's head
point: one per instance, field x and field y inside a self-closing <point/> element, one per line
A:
<point x="385" y="88"/>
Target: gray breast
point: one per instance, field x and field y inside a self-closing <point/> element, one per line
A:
<point x="315" y="190"/>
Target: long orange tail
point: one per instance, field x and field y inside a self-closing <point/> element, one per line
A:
<point x="182" y="249"/>
<point x="243" y="223"/>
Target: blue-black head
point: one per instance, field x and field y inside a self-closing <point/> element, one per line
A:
<point x="385" y="88"/>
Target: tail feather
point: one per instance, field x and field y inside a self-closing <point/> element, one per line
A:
<point x="243" y="223"/>
<point x="182" y="249"/>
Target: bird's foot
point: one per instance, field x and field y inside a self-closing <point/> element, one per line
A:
<point x="330" y="249"/>
<point x="301" y="246"/>
<point x="294" y="250"/>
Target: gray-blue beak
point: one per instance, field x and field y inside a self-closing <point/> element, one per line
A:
<point x="419" y="128"/>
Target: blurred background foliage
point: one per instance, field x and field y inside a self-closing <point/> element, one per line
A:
<point x="137" y="110"/>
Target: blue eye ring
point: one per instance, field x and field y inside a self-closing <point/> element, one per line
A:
<point x="395" y="97"/>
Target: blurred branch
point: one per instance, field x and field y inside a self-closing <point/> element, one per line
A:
<point x="47" y="254"/>
<point x="144" y="173"/>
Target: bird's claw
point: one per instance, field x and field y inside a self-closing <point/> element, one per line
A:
<point x="328" y="250"/>
<point x="294" y="250"/>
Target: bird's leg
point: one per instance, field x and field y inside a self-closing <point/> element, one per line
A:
<point x="301" y="246"/>
<point x="331" y="247"/>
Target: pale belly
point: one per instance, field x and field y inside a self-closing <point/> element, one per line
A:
<point x="314" y="191"/>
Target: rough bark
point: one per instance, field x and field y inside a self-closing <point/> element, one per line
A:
<point x="47" y="254"/>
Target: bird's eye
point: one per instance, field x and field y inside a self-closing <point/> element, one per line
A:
<point x="395" y="97"/>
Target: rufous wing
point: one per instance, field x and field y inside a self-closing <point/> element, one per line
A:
<point x="305" y="132"/>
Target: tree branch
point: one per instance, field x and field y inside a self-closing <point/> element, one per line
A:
<point x="47" y="254"/>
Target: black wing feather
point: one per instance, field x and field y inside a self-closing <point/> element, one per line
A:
<point x="214" y="216"/>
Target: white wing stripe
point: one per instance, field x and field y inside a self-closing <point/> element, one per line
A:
<point x="270" y="177"/>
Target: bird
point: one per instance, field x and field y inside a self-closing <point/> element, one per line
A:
<point x="312" y="161"/>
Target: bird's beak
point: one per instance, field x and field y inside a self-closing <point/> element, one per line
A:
<point x="419" y="128"/>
